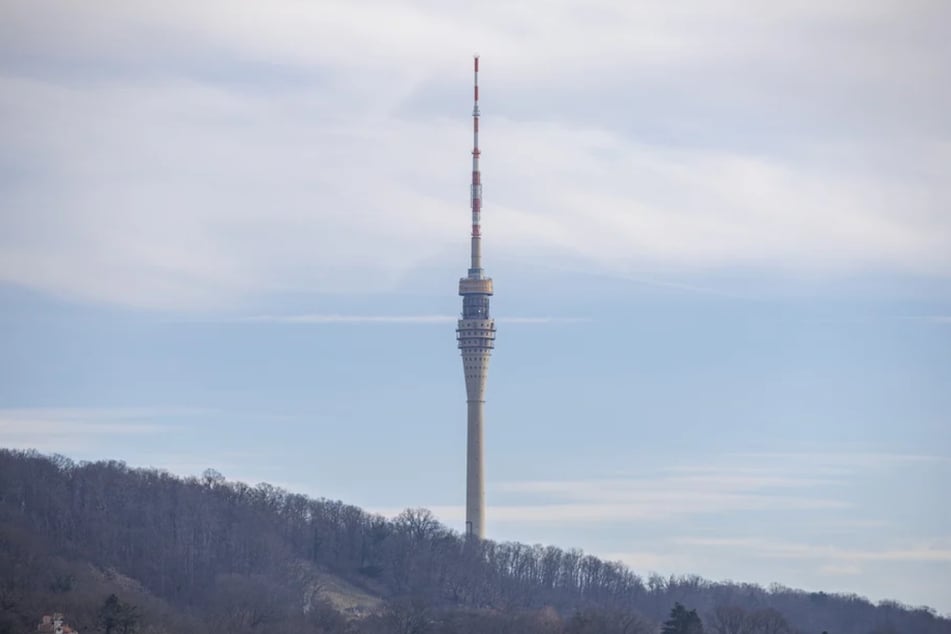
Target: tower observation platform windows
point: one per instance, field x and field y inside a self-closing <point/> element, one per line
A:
<point x="475" y="307"/>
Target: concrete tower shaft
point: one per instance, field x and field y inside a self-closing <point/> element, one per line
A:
<point x="476" y="337"/>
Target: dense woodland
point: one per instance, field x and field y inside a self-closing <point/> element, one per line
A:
<point x="123" y="550"/>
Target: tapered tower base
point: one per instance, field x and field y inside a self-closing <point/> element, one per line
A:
<point x="475" y="479"/>
<point x="476" y="339"/>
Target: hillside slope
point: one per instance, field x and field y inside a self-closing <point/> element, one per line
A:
<point x="190" y="555"/>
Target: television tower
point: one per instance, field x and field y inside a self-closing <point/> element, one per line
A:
<point x="476" y="336"/>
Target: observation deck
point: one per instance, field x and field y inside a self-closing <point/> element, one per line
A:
<point x="475" y="286"/>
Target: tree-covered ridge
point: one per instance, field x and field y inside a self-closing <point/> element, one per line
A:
<point x="194" y="553"/>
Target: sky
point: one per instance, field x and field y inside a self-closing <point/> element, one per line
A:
<point x="231" y="234"/>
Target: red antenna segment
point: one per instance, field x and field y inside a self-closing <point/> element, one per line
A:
<point x="476" y="193"/>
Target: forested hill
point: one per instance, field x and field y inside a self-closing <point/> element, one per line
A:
<point x="122" y="550"/>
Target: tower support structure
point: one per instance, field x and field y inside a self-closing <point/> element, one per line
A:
<point x="475" y="334"/>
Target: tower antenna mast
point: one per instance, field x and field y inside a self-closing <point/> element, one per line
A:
<point x="476" y="191"/>
<point x="476" y="338"/>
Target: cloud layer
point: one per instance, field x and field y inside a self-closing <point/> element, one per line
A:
<point x="182" y="155"/>
<point x="52" y="429"/>
<point x="749" y="482"/>
<point x="790" y="512"/>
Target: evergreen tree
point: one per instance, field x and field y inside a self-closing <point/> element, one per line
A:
<point x="116" y="617"/>
<point x="682" y="621"/>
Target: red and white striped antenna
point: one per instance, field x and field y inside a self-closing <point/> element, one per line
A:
<point x="476" y="192"/>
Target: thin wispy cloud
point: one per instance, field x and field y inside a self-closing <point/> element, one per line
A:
<point x="69" y="429"/>
<point x="831" y="464"/>
<point x="930" y="319"/>
<point x="317" y="319"/>
<point x="673" y="554"/>
<point x="696" y="492"/>
<point x="795" y="550"/>
<point x="543" y="320"/>
<point x="743" y="483"/>
<point x="839" y="570"/>
<point x="347" y="319"/>
<point x="646" y="560"/>
<point x="12" y="418"/>
<point x="635" y="508"/>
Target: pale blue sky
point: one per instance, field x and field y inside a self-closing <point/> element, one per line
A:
<point x="230" y="235"/>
